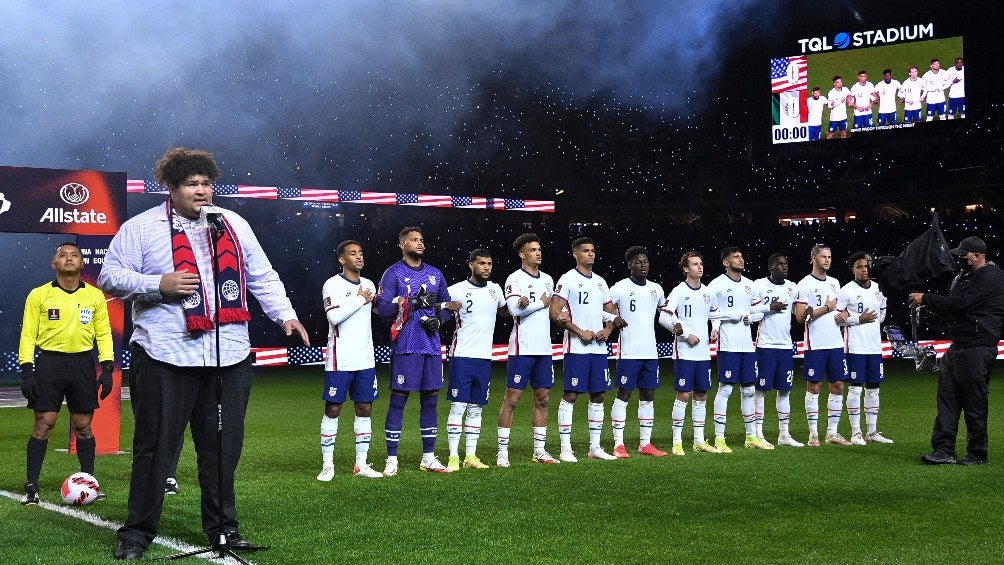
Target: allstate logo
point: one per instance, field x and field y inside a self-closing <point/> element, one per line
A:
<point x="842" y="40"/>
<point x="74" y="193"/>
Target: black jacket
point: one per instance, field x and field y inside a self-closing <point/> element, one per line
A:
<point x="974" y="307"/>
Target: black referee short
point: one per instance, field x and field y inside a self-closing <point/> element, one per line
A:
<point x="65" y="375"/>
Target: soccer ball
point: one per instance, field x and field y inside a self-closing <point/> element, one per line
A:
<point x="80" y="488"/>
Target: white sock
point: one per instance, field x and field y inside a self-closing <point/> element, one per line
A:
<point x="783" y="405"/>
<point x="472" y="429"/>
<point x="329" y="432"/>
<point x="565" y="424"/>
<point x="646" y="419"/>
<point x="618" y="415"/>
<point x="595" y="414"/>
<point x="758" y="407"/>
<point x="834" y="407"/>
<point x="854" y="408"/>
<point x="871" y="409"/>
<point x="721" y="408"/>
<point x="746" y="394"/>
<point x="504" y="440"/>
<point x="363" y="428"/>
<point x="699" y="413"/>
<point x="454" y="425"/>
<point x="812" y="412"/>
<point x="539" y="438"/>
<point x="679" y="415"/>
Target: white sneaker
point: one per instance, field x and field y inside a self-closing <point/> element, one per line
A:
<point x="502" y="460"/>
<point x="567" y="456"/>
<point x="365" y="470"/>
<point x="856" y="439"/>
<point x="877" y="437"/>
<point x="433" y="465"/>
<point x="786" y="439"/>
<point x="390" y="469"/>
<point x="327" y="473"/>
<point x="598" y="453"/>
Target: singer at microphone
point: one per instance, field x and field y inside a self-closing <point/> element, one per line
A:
<point x="213" y="216"/>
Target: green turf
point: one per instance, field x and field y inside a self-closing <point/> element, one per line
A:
<point x="829" y="505"/>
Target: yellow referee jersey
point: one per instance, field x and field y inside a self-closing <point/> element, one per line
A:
<point x="66" y="322"/>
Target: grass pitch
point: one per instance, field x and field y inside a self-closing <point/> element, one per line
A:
<point x="828" y="505"/>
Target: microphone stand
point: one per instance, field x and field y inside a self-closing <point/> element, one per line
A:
<point x="222" y="545"/>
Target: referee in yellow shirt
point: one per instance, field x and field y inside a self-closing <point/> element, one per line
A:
<point x="63" y="318"/>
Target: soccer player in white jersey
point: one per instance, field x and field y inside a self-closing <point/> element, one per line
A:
<point x="736" y="355"/>
<point x="836" y="99"/>
<point x="691" y="305"/>
<point x="816" y="104"/>
<point x="911" y="92"/>
<point x="887" y="91"/>
<point x="935" y="83"/>
<point x="774" y="351"/>
<point x="815" y="306"/>
<point x="637" y="300"/>
<point x="862" y="308"/>
<point x="862" y="98"/>
<point x="349" y="368"/>
<point x="581" y="305"/>
<point x="528" y="296"/>
<point x="957" y="90"/>
<point x="471" y="357"/>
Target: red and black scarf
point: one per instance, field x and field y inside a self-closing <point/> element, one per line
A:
<point x="233" y="295"/>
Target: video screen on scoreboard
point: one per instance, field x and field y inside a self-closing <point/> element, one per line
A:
<point x="900" y="87"/>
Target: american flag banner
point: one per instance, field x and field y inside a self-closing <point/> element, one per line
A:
<point x="263" y="192"/>
<point x="226" y="190"/>
<point x="363" y="197"/>
<point x="311" y="194"/>
<point x="144" y="187"/>
<point x="528" y="205"/>
<point x="270" y="356"/>
<point x="469" y="201"/>
<point x="789" y="73"/>
<point x="306" y="355"/>
<point x="404" y="199"/>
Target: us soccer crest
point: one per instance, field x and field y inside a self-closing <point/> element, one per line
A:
<point x="728" y="374"/>
<point x="400" y="379"/>
<point x="517" y="378"/>
<point x="575" y="381"/>
<point x="492" y="293"/>
<point x="682" y="382"/>
<point x="655" y="295"/>
<point x="454" y="392"/>
<point x="432" y="279"/>
<point x="812" y="372"/>
<point x="707" y="299"/>
<point x="623" y="379"/>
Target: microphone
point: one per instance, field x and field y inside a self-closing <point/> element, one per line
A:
<point x="214" y="217"/>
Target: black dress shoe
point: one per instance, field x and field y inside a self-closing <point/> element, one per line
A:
<point x="938" y="458"/>
<point x="129" y="550"/>
<point x="234" y="540"/>
<point x="972" y="460"/>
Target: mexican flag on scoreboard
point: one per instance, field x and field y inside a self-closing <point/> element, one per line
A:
<point x="790" y="108"/>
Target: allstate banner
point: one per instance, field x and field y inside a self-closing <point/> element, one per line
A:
<point x="90" y="205"/>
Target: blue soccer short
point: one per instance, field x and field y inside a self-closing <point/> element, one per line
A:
<point x="865" y="368"/>
<point x="830" y="362"/>
<point x="887" y="118"/>
<point x="586" y="372"/>
<point x="838" y="125"/>
<point x="737" y="367"/>
<point x="863" y="121"/>
<point x="692" y="375"/>
<point x="416" y="371"/>
<point x="637" y="373"/>
<point x="775" y="369"/>
<point x="360" y="386"/>
<point x="911" y="115"/>
<point x="814" y="132"/>
<point x="957" y="105"/>
<point x="538" y="370"/>
<point x="469" y="380"/>
<point x="937" y="108"/>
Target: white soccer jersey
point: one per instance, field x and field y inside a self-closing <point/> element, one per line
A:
<point x="586" y="297"/>
<point x="862" y="94"/>
<point x="910" y="91"/>
<point x="735" y="300"/>
<point x="774" y="330"/>
<point x="822" y="332"/>
<point x="957" y="89"/>
<point x="693" y="307"/>
<point x="476" y="320"/>
<point x="637" y="304"/>
<point x="837" y="101"/>
<point x="531" y="328"/>
<point x="862" y="338"/>
<point x="350" y="330"/>
<point x="816" y="106"/>
<point x="935" y="84"/>
<point x="887" y="92"/>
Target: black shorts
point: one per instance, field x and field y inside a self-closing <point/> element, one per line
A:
<point x="65" y="375"/>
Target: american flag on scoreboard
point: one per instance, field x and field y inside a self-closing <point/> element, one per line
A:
<point x="226" y="190"/>
<point x="469" y="202"/>
<point x="247" y="191"/>
<point x="144" y="187"/>
<point x="529" y="205"/>
<point x="789" y="73"/>
<point x="362" y="197"/>
<point x="312" y="194"/>
<point x="405" y="199"/>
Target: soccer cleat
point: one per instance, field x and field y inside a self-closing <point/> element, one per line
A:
<point x="752" y="442"/>
<point x="327" y="473"/>
<point x="877" y="437"/>
<point x="453" y="463"/>
<point x="30" y="494"/>
<point x="705" y="448"/>
<point x="365" y="470"/>
<point x="678" y="449"/>
<point x="472" y="462"/>
<point x="721" y="446"/>
<point x="813" y="440"/>
<point x="836" y="439"/>
<point x="502" y="460"/>
<point x="856" y="439"/>
<point x="764" y="444"/>
<point x="433" y="465"/>
<point x="649" y="449"/>
<point x="100" y="496"/>
<point x="620" y="452"/>
<point x="568" y="456"/>
<point x="390" y="469"/>
<point x="544" y="457"/>
<point x="171" y="485"/>
<point x="785" y="439"/>
<point x="598" y="453"/>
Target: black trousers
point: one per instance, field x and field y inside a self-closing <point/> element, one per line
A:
<point x="963" y="388"/>
<point x="165" y="398"/>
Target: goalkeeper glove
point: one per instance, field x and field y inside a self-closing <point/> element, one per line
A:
<point x="104" y="382"/>
<point x="29" y="386"/>
<point x="423" y="299"/>
<point x="430" y="324"/>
